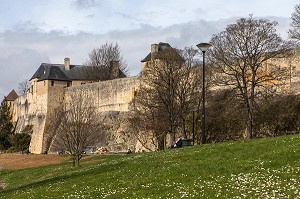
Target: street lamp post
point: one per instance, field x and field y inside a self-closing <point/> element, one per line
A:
<point x="194" y="109"/>
<point x="203" y="47"/>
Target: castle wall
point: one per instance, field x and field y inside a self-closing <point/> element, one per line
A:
<point x="56" y="91"/>
<point x="81" y="82"/>
<point x="42" y="87"/>
<point x="109" y="97"/>
<point x="76" y="83"/>
<point x="112" y="99"/>
<point x="30" y="113"/>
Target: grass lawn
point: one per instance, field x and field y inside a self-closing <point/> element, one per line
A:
<point x="262" y="168"/>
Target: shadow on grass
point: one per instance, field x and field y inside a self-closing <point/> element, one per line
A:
<point x="55" y="179"/>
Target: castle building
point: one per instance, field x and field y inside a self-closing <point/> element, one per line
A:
<point x="51" y="85"/>
<point x="161" y="52"/>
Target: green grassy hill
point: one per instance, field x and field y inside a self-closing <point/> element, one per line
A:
<point x="262" y="168"/>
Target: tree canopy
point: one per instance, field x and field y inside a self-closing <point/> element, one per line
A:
<point x="6" y="126"/>
<point x="294" y="32"/>
<point x="239" y="55"/>
<point x="101" y="59"/>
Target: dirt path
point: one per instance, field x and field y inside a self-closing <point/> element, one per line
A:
<point x="19" y="161"/>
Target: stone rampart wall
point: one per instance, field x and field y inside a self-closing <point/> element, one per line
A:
<point x="30" y="113"/>
<point x="34" y="110"/>
<point x="112" y="95"/>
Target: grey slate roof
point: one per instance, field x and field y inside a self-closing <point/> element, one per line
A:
<point x="58" y="72"/>
<point x="54" y="73"/>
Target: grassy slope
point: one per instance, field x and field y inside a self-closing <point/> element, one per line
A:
<point x="260" y="168"/>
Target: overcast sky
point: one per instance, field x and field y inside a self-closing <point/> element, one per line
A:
<point x="34" y="31"/>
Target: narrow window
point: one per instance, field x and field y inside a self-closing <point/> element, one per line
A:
<point x="52" y="83"/>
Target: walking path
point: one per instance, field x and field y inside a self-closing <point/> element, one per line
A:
<point x="19" y="161"/>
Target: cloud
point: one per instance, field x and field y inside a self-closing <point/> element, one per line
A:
<point x="126" y="16"/>
<point x="18" y="67"/>
<point x="84" y="4"/>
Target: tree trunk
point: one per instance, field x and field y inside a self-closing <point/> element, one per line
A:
<point x="249" y="122"/>
<point x="74" y="160"/>
<point x="249" y="125"/>
<point x="77" y="159"/>
<point x="184" y="129"/>
<point x="172" y="134"/>
<point x="172" y="139"/>
<point x="249" y="100"/>
<point x="251" y="106"/>
<point x="161" y="141"/>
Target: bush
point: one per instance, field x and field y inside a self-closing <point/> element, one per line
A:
<point x="276" y="116"/>
<point x="10" y="150"/>
<point x="20" y="141"/>
<point x="224" y="117"/>
<point x="279" y="116"/>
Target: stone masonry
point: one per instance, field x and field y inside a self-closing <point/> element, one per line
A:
<point x="32" y="110"/>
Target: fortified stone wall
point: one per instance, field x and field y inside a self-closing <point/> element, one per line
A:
<point x="30" y="115"/>
<point x="111" y="98"/>
<point x="291" y="65"/>
<point x="111" y="95"/>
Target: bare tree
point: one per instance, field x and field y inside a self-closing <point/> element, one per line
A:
<point x="189" y="89"/>
<point x="148" y="120"/>
<point x="167" y="96"/>
<point x="190" y="55"/>
<point x="77" y="126"/>
<point x="23" y="87"/>
<point x="240" y="54"/>
<point x="101" y="60"/>
<point x="294" y="32"/>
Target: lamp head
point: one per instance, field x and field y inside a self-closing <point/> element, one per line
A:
<point x="204" y="46"/>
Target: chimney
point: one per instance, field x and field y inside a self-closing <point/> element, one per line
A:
<point x="114" y="69"/>
<point x="67" y="63"/>
<point x="154" y="48"/>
